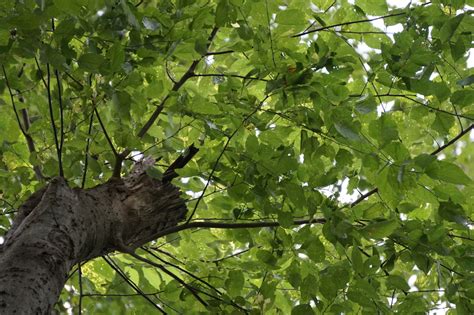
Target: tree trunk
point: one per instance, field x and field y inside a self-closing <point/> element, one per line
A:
<point x="59" y="226"/>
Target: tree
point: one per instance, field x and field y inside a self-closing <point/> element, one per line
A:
<point x="236" y="156"/>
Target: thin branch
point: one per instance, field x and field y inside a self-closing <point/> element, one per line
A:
<point x="231" y="256"/>
<point x="221" y="225"/>
<point x="61" y="113"/>
<point x="213" y="53"/>
<point x="229" y="75"/>
<point x="119" y="271"/>
<point x="165" y="270"/>
<point x="188" y="74"/>
<point x="270" y="33"/>
<point x="183" y="270"/>
<point x="24" y="130"/>
<point x="119" y="157"/>
<point x="436" y="109"/>
<point x="86" y="157"/>
<point x="220" y="156"/>
<point x="453" y="140"/>
<point x="348" y="23"/>
<point x="92" y="295"/>
<point x="81" y="292"/>
<point x="53" y="124"/>
<point x="31" y="143"/>
<point x="102" y="126"/>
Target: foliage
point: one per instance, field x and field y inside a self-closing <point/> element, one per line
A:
<point x="298" y="108"/>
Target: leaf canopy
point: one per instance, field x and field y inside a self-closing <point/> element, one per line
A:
<point x="354" y="114"/>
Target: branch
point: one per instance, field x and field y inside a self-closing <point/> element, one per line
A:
<point x="61" y="113"/>
<point x="229" y="75"/>
<point x="183" y="270"/>
<point x="213" y="53"/>
<point x="221" y="154"/>
<point x="24" y="130"/>
<point x="117" y="269"/>
<point x="435" y="152"/>
<point x="119" y="157"/>
<point x="163" y="268"/>
<point x="188" y="74"/>
<point x="47" y="84"/>
<point x="347" y="23"/>
<point x="220" y="225"/>
<point x="453" y="140"/>
<point x="86" y="157"/>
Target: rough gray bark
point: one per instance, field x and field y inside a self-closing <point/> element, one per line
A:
<point x="59" y="226"/>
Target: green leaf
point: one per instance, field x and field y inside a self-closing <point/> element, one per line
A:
<point x="453" y="212"/>
<point x="302" y="309"/>
<point x="69" y="6"/>
<point x="447" y="172"/>
<point x="266" y="257"/>
<point x="466" y="81"/>
<point x="291" y="17"/>
<point x="285" y="219"/>
<point x="116" y="56"/>
<point x="347" y="131"/>
<point x="315" y="249"/>
<point x="427" y="87"/>
<point x="235" y="282"/>
<point x="204" y="107"/>
<point x="463" y="97"/>
<point x="91" y="62"/>
<point x="397" y="282"/>
<point x="373" y="7"/>
<point x="448" y="28"/>
<point x="380" y="229"/>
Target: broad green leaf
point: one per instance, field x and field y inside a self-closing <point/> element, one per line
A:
<point x="397" y="282"/>
<point x="463" y="97"/>
<point x="235" y="282"/>
<point x="116" y="55"/>
<point x="302" y="309"/>
<point x="380" y="229"/>
<point x="91" y="62"/>
<point x="347" y="131"/>
<point x="372" y="8"/>
<point x="448" y="29"/>
<point x="291" y="17"/>
<point x="447" y="172"/>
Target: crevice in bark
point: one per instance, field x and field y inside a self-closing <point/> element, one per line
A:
<point x="60" y="226"/>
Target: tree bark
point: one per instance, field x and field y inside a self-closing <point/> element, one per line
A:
<point x="60" y="226"/>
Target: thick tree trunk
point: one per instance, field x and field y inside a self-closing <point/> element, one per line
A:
<point x="59" y="226"/>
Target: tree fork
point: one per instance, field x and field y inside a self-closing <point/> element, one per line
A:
<point x="60" y="226"/>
